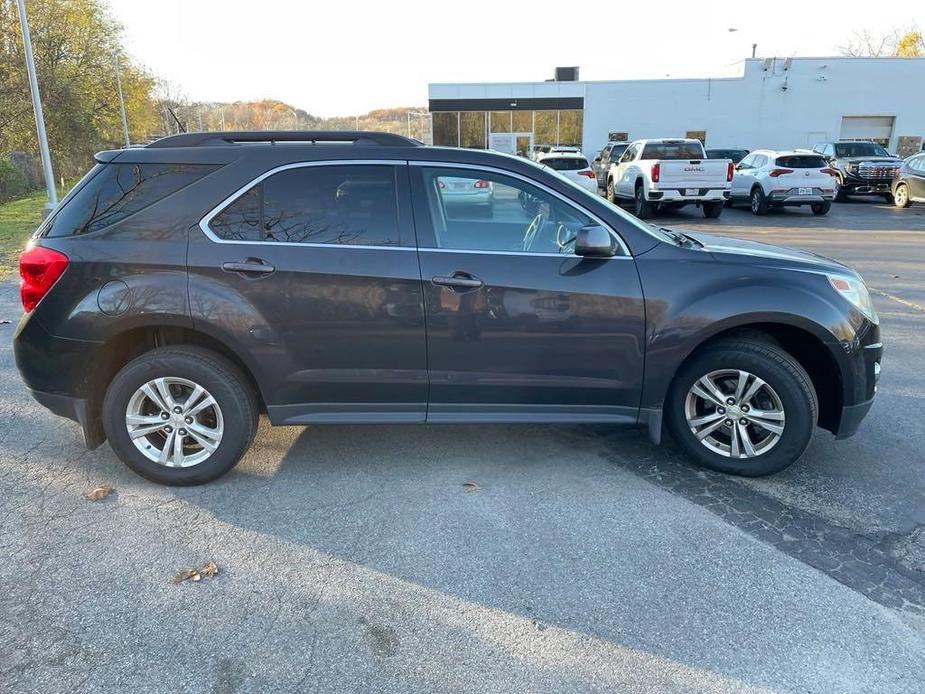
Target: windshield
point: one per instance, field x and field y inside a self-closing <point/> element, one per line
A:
<point x="860" y="149"/>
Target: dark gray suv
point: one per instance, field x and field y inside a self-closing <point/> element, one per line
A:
<point x="184" y="288"/>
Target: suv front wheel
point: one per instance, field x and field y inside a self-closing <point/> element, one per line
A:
<point x="742" y="407"/>
<point x="180" y="415"/>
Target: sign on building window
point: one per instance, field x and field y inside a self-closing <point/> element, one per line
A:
<point x="618" y="136"/>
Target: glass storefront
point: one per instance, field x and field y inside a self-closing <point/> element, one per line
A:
<point x="473" y="129"/>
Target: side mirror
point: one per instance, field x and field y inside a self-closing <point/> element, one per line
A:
<point x="597" y="159"/>
<point x="595" y="242"/>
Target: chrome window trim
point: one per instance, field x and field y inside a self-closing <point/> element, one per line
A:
<point x="204" y="222"/>
<point x="537" y="184"/>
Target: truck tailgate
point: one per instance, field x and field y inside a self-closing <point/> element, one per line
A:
<point x="694" y="173"/>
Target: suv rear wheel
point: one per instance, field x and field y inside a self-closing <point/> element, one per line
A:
<point x="742" y="407"/>
<point x="180" y="415"/>
<point x="758" y="201"/>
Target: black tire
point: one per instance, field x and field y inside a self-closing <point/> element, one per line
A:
<point x="712" y="210"/>
<point x="611" y="197"/>
<point x="219" y="377"/>
<point x="840" y="194"/>
<point x="889" y="198"/>
<point x="758" y="201"/>
<point x="901" y="198"/>
<point x="821" y="208"/>
<point x="779" y="370"/>
<point x="642" y="208"/>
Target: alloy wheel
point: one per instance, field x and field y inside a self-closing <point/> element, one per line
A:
<point x="174" y="422"/>
<point x="734" y="413"/>
<point x="899" y="197"/>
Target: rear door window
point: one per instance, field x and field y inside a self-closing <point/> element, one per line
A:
<point x="339" y="205"/>
<point x="118" y="191"/>
<point x="801" y="161"/>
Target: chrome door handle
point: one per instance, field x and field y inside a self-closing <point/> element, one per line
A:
<point x="457" y="282"/>
<point x="249" y="267"/>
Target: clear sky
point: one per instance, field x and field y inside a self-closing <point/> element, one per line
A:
<point x="342" y="58"/>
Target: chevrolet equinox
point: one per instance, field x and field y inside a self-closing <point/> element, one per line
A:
<point x="183" y="288"/>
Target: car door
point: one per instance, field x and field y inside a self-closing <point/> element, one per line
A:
<point x="916" y="178"/>
<point x="518" y="328"/>
<point x="741" y="178"/>
<point x="625" y="177"/>
<point x="311" y="272"/>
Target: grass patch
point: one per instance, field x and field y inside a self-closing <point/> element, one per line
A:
<point x="18" y="219"/>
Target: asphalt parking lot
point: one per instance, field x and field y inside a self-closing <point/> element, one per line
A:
<point x="580" y="559"/>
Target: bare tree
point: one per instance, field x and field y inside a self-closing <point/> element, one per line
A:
<point x="905" y="42"/>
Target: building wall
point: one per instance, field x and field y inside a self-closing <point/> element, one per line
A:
<point x="752" y="111"/>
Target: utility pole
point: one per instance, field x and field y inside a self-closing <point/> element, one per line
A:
<point x="128" y="142"/>
<point x="37" y="107"/>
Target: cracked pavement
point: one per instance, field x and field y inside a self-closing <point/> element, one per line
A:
<point x="352" y="558"/>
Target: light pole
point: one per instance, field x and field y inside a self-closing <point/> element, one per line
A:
<point x="37" y="107"/>
<point x="128" y="142"/>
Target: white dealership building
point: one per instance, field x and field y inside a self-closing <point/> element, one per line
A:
<point x="776" y="103"/>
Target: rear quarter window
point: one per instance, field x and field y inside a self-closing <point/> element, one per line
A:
<point x="118" y="191"/>
<point x="801" y="161"/>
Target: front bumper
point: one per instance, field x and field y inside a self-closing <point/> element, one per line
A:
<point x="854" y="185"/>
<point x="860" y="381"/>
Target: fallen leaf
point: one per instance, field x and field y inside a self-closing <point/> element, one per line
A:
<point x="470" y="487"/>
<point x="209" y="569"/>
<point x="99" y="493"/>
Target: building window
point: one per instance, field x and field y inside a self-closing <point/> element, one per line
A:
<point x="446" y="128"/>
<point x="472" y="129"/>
<point x="500" y="122"/>
<point x="523" y="121"/>
<point x="570" y="128"/>
<point x="697" y="135"/>
<point x="546" y="128"/>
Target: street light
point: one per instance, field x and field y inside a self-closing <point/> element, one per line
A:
<point x="39" y="116"/>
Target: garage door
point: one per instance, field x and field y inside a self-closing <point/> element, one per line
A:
<point x="876" y="128"/>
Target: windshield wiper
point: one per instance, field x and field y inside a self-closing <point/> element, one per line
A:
<point x="679" y="237"/>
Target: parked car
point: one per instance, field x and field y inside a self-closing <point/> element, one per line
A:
<point x="768" y="179"/>
<point x="475" y="195"/>
<point x="671" y="173"/>
<point x="182" y="288"/>
<point x="861" y="167"/>
<point x="735" y="155"/>
<point x="909" y="184"/>
<point x="573" y="166"/>
<point x="611" y="152"/>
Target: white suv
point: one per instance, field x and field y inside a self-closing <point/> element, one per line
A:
<point x="766" y="179"/>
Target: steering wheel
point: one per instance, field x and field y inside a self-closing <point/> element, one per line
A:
<point x="530" y="233"/>
<point x="564" y="236"/>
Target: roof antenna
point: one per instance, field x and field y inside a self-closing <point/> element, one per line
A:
<point x="179" y="124"/>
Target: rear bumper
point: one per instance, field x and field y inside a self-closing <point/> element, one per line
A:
<point x="57" y="372"/>
<point x="679" y="195"/>
<point x="794" y="200"/>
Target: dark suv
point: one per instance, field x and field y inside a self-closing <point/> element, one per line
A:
<point x="861" y="167"/>
<point x="183" y="288"/>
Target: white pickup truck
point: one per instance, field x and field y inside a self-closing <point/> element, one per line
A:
<point x="675" y="173"/>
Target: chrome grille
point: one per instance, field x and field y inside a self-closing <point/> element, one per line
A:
<point x="877" y="171"/>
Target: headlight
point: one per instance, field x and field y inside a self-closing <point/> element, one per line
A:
<point x="855" y="291"/>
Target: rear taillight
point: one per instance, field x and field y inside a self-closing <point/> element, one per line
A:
<point x="481" y="184"/>
<point x="830" y="172"/>
<point x="730" y="170"/>
<point x="774" y="173"/>
<point x="656" y="171"/>
<point x="39" y="269"/>
<point x="588" y="172"/>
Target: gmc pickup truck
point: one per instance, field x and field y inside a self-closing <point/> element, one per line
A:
<point x="669" y="173"/>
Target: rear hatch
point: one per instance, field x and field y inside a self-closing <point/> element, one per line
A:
<point x="802" y="174"/>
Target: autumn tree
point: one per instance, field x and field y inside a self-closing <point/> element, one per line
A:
<point x="906" y="43"/>
<point x="76" y="44"/>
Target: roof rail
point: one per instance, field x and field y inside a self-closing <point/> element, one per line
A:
<point x="355" y="137"/>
